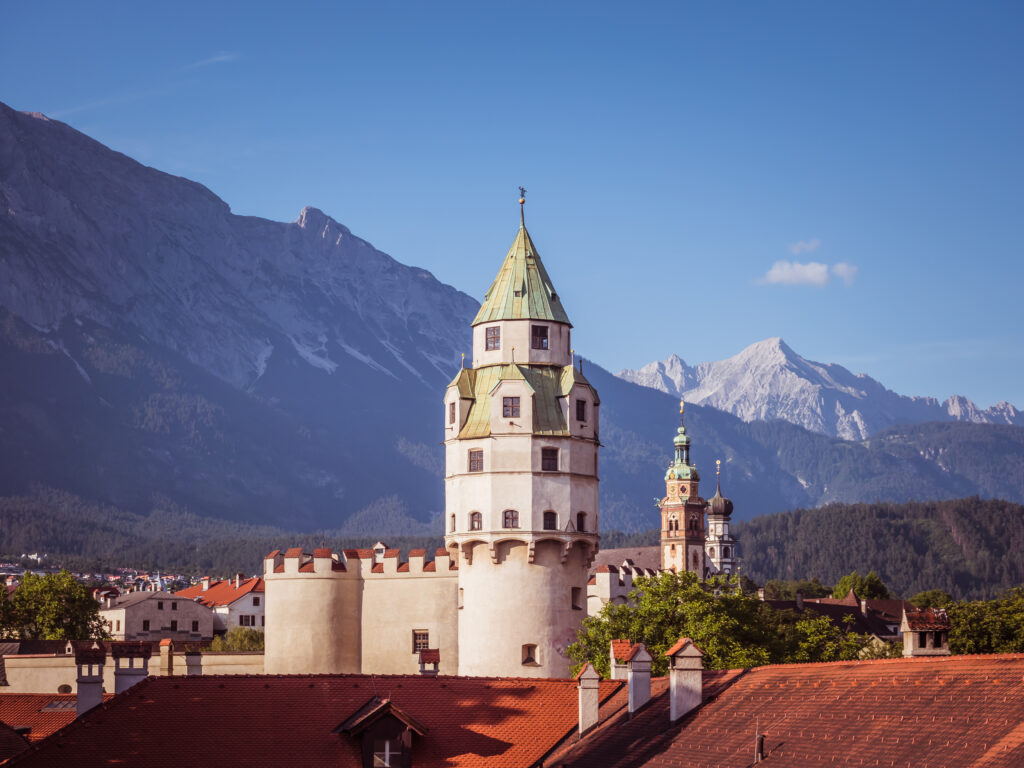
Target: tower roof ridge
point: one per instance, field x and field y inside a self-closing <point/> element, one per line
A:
<point x="522" y="289"/>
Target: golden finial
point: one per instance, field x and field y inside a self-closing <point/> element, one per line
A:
<point x="718" y="466"/>
<point x="682" y="406"/>
<point x="463" y="360"/>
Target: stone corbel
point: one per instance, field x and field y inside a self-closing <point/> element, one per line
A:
<point x="531" y="551"/>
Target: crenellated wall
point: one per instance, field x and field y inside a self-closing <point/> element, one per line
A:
<point x="346" y="612"/>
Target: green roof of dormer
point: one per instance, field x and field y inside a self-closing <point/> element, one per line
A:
<point x="522" y="290"/>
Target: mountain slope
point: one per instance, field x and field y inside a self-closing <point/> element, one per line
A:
<point x="768" y="380"/>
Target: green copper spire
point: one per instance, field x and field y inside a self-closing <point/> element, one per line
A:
<point x="680" y="468"/>
<point x="522" y="290"/>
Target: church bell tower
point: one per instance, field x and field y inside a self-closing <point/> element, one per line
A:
<point x="682" y="511"/>
<point x="521" y="512"/>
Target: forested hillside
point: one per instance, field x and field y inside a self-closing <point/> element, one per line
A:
<point x="971" y="548"/>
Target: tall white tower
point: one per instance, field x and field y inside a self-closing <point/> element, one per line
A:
<point x="521" y="440"/>
<point x="721" y="544"/>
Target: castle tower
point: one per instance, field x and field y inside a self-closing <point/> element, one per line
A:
<point x="721" y="545"/>
<point x="682" y="511"/>
<point x="521" y="440"/>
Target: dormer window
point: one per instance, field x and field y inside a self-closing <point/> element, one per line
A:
<point x="510" y="407"/>
<point x="386" y="733"/>
<point x="539" y="337"/>
<point x="493" y="338"/>
<point x="387" y="752"/>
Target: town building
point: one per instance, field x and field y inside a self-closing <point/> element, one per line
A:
<point x="237" y="602"/>
<point x="156" y="615"/>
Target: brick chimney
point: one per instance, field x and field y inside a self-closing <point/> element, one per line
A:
<point x="587" y="678"/>
<point x="166" y="656"/>
<point x="686" y="677"/>
<point x="90" y="661"/>
<point x="131" y="664"/>
<point x="638" y="677"/>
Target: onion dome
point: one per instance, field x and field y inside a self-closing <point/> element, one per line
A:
<point x="719" y="504"/>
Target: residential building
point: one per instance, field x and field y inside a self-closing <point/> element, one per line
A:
<point x="155" y="616"/>
<point x="237" y="602"/>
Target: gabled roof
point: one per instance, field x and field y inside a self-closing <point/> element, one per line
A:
<point x="926" y="619"/>
<point x="290" y="720"/>
<point x="522" y="289"/>
<point x="41" y="713"/>
<point x="939" y="711"/>
<point x="223" y="592"/>
<point x="374" y="710"/>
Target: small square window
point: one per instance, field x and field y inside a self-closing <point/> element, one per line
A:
<point x="549" y="459"/>
<point x="255" y="600"/>
<point x="420" y="640"/>
<point x="476" y="460"/>
<point x="493" y="338"/>
<point x="511" y="518"/>
<point x="539" y="337"/>
<point x="159" y="605"/>
<point x="451" y="412"/>
<point x="145" y="625"/>
<point x="581" y="410"/>
<point x="510" y="407"/>
<point x="530" y="655"/>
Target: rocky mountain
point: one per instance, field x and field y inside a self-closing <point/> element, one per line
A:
<point x="768" y="380"/>
<point x="163" y="360"/>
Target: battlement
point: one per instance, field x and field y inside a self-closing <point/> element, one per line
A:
<point x="613" y="583"/>
<point x="358" y="563"/>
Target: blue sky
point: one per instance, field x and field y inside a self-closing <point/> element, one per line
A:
<point x="849" y="177"/>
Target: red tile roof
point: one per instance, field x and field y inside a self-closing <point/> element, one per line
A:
<point x="621" y="649"/>
<point x="11" y="742"/>
<point x="223" y="592"/>
<point x="43" y="713"/>
<point x="923" y="712"/>
<point x="282" y="720"/>
<point x="927" y="619"/>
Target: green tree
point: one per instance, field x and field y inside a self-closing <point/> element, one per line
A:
<point x="51" y="606"/>
<point x="868" y="587"/>
<point x="239" y="639"/>
<point x="776" y="589"/>
<point x="932" y="598"/>
<point x="988" y="626"/>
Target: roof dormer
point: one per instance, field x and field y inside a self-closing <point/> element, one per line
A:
<point x="385" y="732"/>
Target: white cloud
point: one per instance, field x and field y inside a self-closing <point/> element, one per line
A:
<point x="795" y="273"/>
<point x="845" y="272"/>
<point x="804" y="246"/>
<point x="220" y="58"/>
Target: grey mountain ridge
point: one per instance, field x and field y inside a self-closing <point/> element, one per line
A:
<point x="161" y="355"/>
<point x="768" y="380"/>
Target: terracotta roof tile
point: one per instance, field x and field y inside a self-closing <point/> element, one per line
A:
<point x="322" y="552"/>
<point x="939" y="711"/>
<point x="294" y="552"/>
<point x="225" y="592"/>
<point x="430" y="656"/>
<point x="417" y="553"/>
<point x="621" y="649"/>
<point x="282" y="720"/>
<point x="43" y="713"/>
<point x="927" y="619"/>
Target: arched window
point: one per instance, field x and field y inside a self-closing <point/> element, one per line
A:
<point x="696" y="562"/>
<point x="581" y="521"/>
<point x="453" y="524"/>
<point x="476" y="521"/>
<point x="550" y="521"/>
<point x="725" y="552"/>
<point x="511" y="518"/>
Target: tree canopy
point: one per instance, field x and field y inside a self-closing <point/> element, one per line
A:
<point x="239" y="639"/>
<point x="870" y="587"/>
<point x="733" y="628"/>
<point x="51" y="606"/>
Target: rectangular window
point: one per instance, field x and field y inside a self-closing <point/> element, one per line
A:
<point x="159" y="605"/>
<point x="462" y="598"/>
<point x="493" y="338"/>
<point x="246" y="620"/>
<point x="174" y="625"/>
<point x="510" y="518"/>
<point x="510" y="407"/>
<point x="263" y="621"/>
<point x="420" y="640"/>
<point x="577" y="599"/>
<point x="922" y="639"/>
<point x="476" y="460"/>
<point x="539" y="337"/>
<point x="145" y="625"/>
<point x="195" y="626"/>
<point x="118" y="625"/>
<point x="530" y="655"/>
<point x="255" y="600"/>
<point x="387" y="753"/>
<point x="549" y="459"/>
<point x="581" y="410"/>
<point x="451" y="412"/>
<point x="174" y="605"/>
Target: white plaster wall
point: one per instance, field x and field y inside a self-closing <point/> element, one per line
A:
<point x="180" y="609"/>
<point x="224" y="664"/>
<point x="45" y="674"/>
<point x="512" y="603"/>
<point x="517" y="333"/>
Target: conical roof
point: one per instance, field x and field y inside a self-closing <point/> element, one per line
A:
<point x="522" y="290"/>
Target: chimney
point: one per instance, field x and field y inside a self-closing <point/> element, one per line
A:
<point x="193" y="662"/>
<point x="206" y="583"/>
<point x="864" y="607"/>
<point x="686" y="677"/>
<point x="131" y="664"/>
<point x="239" y="578"/>
<point x="760" y="594"/>
<point x="638" y="677"/>
<point x="588" y="679"/>
<point x="799" y="599"/>
<point x="90" y="663"/>
<point x="166" y="656"/>
<point x="759" y="747"/>
<point x="617" y="651"/>
<point x="431" y="656"/>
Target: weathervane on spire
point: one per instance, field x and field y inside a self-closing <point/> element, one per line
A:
<point x="718" y="467"/>
<point x="522" y="204"/>
<point x="682" y="407"/>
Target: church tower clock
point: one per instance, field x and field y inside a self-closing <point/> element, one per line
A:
<point x="682" y="511"/>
